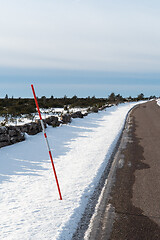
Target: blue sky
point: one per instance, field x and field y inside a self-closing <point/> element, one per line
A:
<point x="82" y="47"/>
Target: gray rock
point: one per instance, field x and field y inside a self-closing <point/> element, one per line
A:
<point x="19" y="138"/>
<point x="77" y="114"/>
<point x="52" y="121"/>
<point x="4" y="138"/>
<point x="34" y="128"/>
<point x="24" y="128"/>
<point x="3" y="144"/>
<point x="13" y="140"/>
<point x="12" y="133"/>
<point x="94" y="109"/>
<point x="3" y="130"/>
<point x="56" y="123"/>
<point x="66" y="118"/>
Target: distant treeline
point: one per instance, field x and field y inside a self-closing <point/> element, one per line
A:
<point x="18" y="106"/>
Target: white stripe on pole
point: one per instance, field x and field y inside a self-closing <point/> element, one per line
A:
<point x="45" y="135"/>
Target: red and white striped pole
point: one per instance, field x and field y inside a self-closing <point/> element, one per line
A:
<point x="45" y="135"/>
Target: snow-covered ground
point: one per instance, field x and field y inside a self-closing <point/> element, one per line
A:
<point x="158" y="102"/>
<point x="29" y="203"/>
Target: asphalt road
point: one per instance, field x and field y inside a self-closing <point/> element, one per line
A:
<point x="134" y="198"/>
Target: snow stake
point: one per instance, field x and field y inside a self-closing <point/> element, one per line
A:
<point x="45" y="135"/>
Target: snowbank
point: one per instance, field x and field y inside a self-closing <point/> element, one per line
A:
<point x="158" y="102"/>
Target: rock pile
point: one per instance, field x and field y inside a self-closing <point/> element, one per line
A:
<point x="10" y="135"/>
<point x="13" y="134"/>
<point x="31" y="128"/>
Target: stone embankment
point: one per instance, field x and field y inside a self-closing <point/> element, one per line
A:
<point x="10" y="135"/>
<point x="13" y="134"/>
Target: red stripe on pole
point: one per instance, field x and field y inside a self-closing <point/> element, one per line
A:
<point x="45" y="135"/>
<point x="54" y="170"/>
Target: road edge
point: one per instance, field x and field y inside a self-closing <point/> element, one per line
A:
<point x="103" y="209"/>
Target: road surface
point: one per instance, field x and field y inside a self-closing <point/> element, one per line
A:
<point x="131" y="208"/>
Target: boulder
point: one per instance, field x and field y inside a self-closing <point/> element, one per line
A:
<point x="66" y="118"/>
<point x="94" y="109"/>
<point x="3" y="130"/>
<point x="77" y="114"/>
<point x="34" y="128"/>
<point x="15" y="134"/>
<point x="12" y="133"/>
<point x="4" y="138"/>
<point x="18" y="138"/>
<point x="52" y="121"/>
<point x="24" y="128"/>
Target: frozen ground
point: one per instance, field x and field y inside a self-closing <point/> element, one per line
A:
<point x="29" y="203"/>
